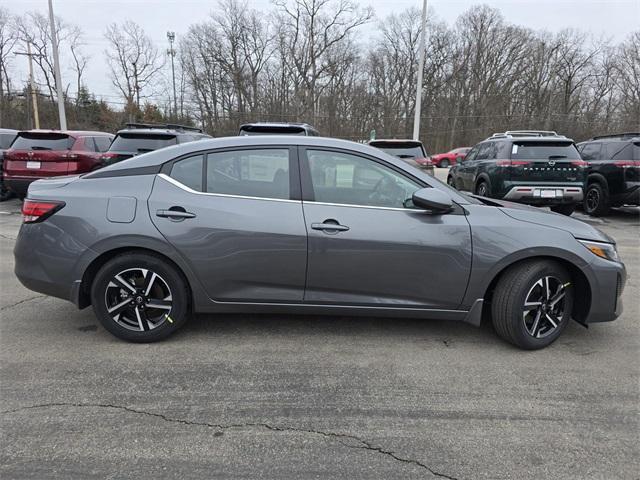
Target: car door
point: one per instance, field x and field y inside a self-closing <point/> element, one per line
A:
<point x="236" y="218"/>
<point x="366" y="247"/>
<point x="466" y="168"/>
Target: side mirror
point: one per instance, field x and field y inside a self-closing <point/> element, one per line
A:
<point x="432" y="199"/>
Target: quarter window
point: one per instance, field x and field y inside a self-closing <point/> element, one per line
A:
<point x="188" y="171"/>
<point x="254" y="173"/>
<point x="591" y="151"/>
<point x="352" y="180"/>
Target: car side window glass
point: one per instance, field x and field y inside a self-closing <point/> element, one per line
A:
<point x="89" y="144"/>
<point x="473" y="153"/>
<point x="352" y="180"/>
<point x="102" y="143"/>
<point x="253" y="173"/>
<point x="483" y="151"/>
<point x="188" y="172"/>
<point x="591" y="151"/>
<point x="618" y="151"/>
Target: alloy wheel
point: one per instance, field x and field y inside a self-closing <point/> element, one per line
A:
<point x="544" y="307"/>
<point x="138" y="299"/>
<point x="482" y="189"/>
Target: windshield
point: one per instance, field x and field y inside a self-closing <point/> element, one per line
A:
<point x="42" y="141"/>
<point x="135" y="142"/>
<point x="403" y="152"/>
<point x="544" y="151"/>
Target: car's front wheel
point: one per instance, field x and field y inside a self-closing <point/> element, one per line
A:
<point x="482" y="189"/>
<point x="451" y="182"/>
<point x="532" y="303"/>
<point x="140" y="297"/>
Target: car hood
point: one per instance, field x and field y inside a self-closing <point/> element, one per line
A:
<point x="575" y="227"/>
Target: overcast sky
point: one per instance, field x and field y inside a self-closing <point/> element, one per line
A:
<point x="611" y="18"/>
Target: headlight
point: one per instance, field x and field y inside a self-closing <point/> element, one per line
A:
<point x="601" y="249"/>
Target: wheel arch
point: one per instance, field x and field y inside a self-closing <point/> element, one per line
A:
<point x="597" y="177"/>
<point x="582" y="292"/>
<point x="84" y="292"/>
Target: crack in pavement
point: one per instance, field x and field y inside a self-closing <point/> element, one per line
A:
<point x="364" y="444"/>
<point x="6" y="307"/>
<point x="7" y="237"/>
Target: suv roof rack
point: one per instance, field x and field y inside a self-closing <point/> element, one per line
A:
<point x="526" y="133"/>
<point x="164" y="126"/>
<point x="618" y="135"/>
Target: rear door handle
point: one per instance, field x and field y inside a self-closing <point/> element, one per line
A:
<point x="330" y="226"/>
<point x="175" y="213"/>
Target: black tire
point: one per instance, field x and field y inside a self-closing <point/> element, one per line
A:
<point x="510" y="314"/>
<point x="596" y="200"/>
<point x="444" y="163"/>
<point x="451" y="181"/>
<point x="167" y="278"/>
<point x="483" y="188"/>
<point x="564" y="209"/>
<point x="5" y="193"/>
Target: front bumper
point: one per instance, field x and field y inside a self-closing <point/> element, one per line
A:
<point x="544" y="195"/>
<point x="607" y="281"/>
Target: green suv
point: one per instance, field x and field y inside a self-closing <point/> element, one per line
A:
<point x="534" y="167"/>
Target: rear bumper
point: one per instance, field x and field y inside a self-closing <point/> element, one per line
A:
<point x="20" y="185"/>
<point x="534" y="194"/>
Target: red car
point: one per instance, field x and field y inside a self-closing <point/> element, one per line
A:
<point x="36" y="154"/>
<point x="450" y="158"/>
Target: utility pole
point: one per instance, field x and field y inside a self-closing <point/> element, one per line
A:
<point x="423" y="48"/>
<point x="56" y="64"/>
<point x="171" y="36"/>
<point x="32" y="84"/>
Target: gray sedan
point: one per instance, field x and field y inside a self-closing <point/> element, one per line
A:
<point x="306" y="225"/>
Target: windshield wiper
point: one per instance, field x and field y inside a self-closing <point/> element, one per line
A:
<point x="36" y="147"/>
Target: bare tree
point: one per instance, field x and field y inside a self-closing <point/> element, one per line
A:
<point x="8" y="39"/>
<point x="134" y="61"/>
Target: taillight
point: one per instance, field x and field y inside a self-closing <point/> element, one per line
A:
<point x="512" y="163"/>
<point x="579" y="163"/>
<point x="37" y="210"/>
<point x="627" y="163"/>
<point x="105" y="157"/>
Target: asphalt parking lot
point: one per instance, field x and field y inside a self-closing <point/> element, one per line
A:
<point x="250" y="396"/>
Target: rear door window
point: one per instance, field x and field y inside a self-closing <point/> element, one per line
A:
<point x="132" y="142"/>
<point x="252" y="173"/>
<point x="89" y="144"/>
<point x="618" y="151"/>
<point x="188" y="172"/>
<point x="544" y="151"/>
<point x="591" y="151"/>
<point x="42" y="141"/>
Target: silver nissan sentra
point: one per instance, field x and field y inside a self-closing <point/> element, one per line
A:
<point x="306" y="225"/>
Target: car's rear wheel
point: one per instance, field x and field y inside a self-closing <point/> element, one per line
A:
<point x="596" y="200"/>
<point x="5" y="193"/>
<point x="532" y="303"/>
<point x="140" y="297"/>
<point x="564" y="209"/>
<point x="451" y="182"/>
<point x="444" y="163"/>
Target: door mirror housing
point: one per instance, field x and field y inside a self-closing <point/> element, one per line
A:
<point x="433" y="200"/>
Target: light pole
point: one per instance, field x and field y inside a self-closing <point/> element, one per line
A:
<point x="56" y="64"/>
<point x="32" y="84"/>
<point x="423" y="43"/>
<point x="171" y="36"/>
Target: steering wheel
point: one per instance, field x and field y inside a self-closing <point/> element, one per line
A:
<point x="387" y="192"/>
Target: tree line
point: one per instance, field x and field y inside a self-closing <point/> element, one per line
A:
<point x="331" y="63"/>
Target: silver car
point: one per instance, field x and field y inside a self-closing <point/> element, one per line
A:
<point x="301" y="225"/>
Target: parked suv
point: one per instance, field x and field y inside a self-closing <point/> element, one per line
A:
<point x="139" y="138"/>
<point x="36" y="154"/>
<point x="613" y="177"/>
<point x="411" y="151"/>
<point x="278" y="128"/>
<point x="6" y="138"/>
<point x="536" y="168"/>
<point x="449" y="158"/>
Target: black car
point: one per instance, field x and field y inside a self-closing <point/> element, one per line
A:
<point x="6" y="138"/>
<point x="536" y="168"/>
<point x="139" y="138"/>
<point x="278" y="128"/>
<point x="613" y="176"/>
<point x="411" y="151"/>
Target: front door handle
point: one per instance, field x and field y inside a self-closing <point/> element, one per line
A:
<point x="175" y="213"/>
<point x="330" y="226"/>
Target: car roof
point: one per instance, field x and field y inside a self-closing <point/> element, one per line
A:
<point x="561" y="139"/>
<point x="72" y="133"/>
<point x="155" y="131"/>
<point x="276" y="124"/>
<point x="616" y="137"/>
<point x="9" y="130"/>
<point x="143" y="164"/>
<point x="394" y="140"/>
